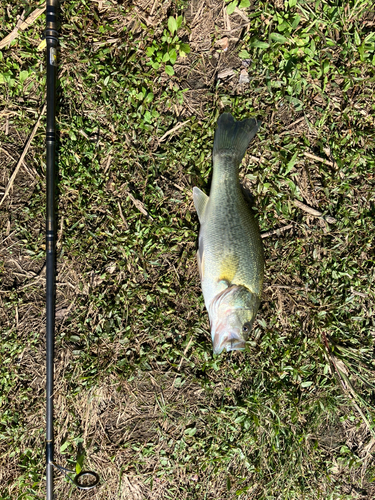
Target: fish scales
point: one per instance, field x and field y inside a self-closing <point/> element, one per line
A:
<point x="232" y="226"/>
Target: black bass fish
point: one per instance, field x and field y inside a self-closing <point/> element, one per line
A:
<point x="230" y="255"/>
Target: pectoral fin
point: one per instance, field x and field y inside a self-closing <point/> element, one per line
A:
<point x="200" y="202"/>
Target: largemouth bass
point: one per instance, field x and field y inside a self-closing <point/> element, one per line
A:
<point x="230" y="250"/>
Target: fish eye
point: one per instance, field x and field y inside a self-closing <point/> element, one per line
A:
<point x="246" y="328"/>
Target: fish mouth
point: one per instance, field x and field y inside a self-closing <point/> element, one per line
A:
<point x="228" y="341"/>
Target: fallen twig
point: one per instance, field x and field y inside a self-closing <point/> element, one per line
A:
<point x="138" y="204"/>
<point x="291" y="126"/>
<point x="21" y="26"/>
<point x="153" y="8"/>
<point x="184" y="356"/>
<point x="122" y="216"/>
<point x="24" y="152"/>
<point x="317" y="158"/>
<point x="313" y="211"/>
<point x="108" y="163"/>
<point x="242" y="14"/>
<point x="173" y="184"/>
<point x="179" y="125"/>
<point x="276" y="231"/>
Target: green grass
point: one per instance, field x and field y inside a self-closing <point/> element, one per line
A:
<point x="139" y="396"/>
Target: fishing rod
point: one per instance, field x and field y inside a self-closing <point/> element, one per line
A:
<point x="85" y="480"/>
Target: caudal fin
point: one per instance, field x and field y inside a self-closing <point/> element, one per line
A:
<point x="232" y="138"/>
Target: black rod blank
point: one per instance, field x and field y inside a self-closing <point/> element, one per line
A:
<point x="52" y="43"/>
<point x="85" y="480"/>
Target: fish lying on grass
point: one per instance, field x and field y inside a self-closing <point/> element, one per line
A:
<point x="230" y="254"/>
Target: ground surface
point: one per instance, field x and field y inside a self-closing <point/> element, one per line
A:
<point x="139" y="396"/>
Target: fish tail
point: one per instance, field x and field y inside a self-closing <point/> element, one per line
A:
<point x="233" y="137"/>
